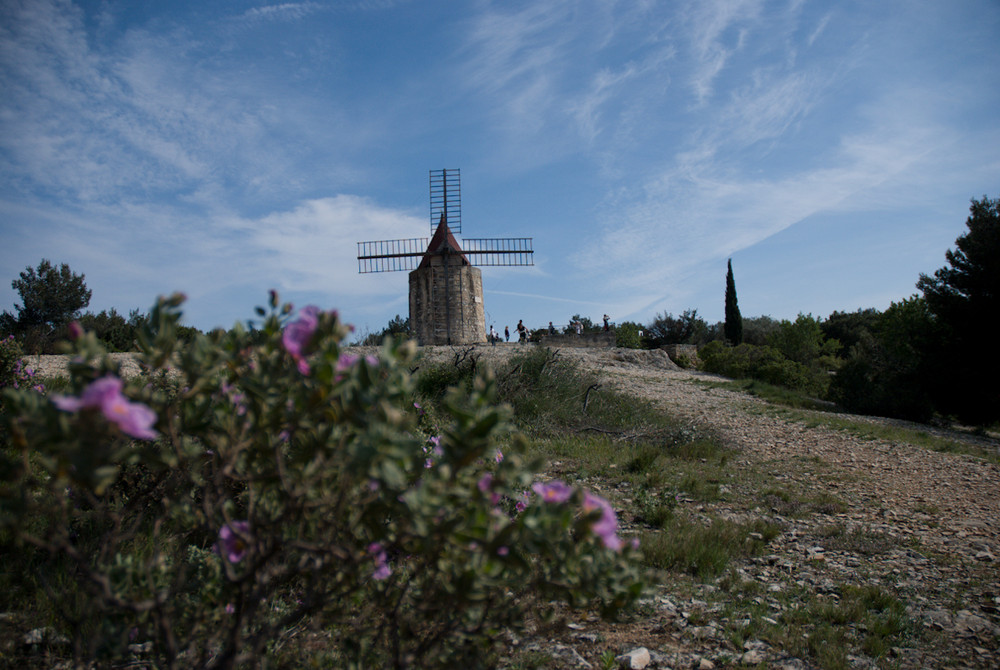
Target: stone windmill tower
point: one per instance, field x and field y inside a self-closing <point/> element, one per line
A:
<point x="446" y="286"/>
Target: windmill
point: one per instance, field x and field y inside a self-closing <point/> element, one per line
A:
<point x="446" y="286"/>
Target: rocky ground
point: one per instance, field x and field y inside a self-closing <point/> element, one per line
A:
<point x="917" y="523"/>
<point x="854" y="512"/>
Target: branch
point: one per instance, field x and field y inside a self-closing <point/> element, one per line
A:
<point x="586" y="396"/>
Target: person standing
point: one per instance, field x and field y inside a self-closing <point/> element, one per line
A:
<point x="522" y="332"/>
<point x="605" y="323"/>
<point x="494" y="336"/>
<point x="506" y="332"/>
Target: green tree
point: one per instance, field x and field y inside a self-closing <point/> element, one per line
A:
<point x="398" y="328"/>
<point x="688" y="328"/>
<point x="887" y="371"/>
<point x="627" y="335"/>
<point x="50" y="298"/>
<point x="588" y="325"/>
<point x="734" y="322"/>
<point x="802" y="341"/>
<point x="965" y="299"/>
<point x="848" y="327"/>
<point x="757" y="329"/>
<point x="110" y="328"/>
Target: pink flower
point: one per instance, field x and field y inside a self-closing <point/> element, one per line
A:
<point x="232" y="540"/>
<point x="346" y="361"/>
<point x="502" y="551"/>
<point x="606" y="527"/>
<point x="498" y="457"/>
<point x="105" y="394"/>
<point x="382" y="569"/>
<point x="522" y="503"/>
<point x="298" y="334"/>
<point x="484" y="484"/>
<point x="555" y="491"/>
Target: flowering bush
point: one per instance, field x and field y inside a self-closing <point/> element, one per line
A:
<point x="13" y="371"/>
<point x="267" y="488"/>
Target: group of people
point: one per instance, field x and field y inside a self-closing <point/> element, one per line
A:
<point x="522" y="331"/>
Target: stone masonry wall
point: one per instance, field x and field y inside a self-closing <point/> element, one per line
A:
<point x="601" y="339"/>
<point x="446" y="304"/>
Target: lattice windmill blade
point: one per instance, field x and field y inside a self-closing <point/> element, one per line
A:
<point x="499" y="251"/>
<point x="446" y="199"/>
<point x="400" y="255"/>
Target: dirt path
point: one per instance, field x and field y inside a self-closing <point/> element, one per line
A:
<point x="920" y="524"/>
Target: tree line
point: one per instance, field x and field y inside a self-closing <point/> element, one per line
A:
<point x="930" y="355"/>
<point x="53" y="297"/>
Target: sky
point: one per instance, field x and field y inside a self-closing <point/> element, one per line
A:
<point x="223" y="148"/>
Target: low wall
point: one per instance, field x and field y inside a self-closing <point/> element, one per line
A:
<point x="689" y="351"/>
<point x="594" y="340"/>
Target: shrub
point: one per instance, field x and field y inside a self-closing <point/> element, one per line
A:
<point x="273" y="484"/>
<point x="802" y="341"/>
<point x="887" y="372"/>
<point x="627" y="336"/>
<point x="688" y="328"/>
<point x="10" y="361"/>
<point x="13" y="372"/>
<point x="766" y="364"/>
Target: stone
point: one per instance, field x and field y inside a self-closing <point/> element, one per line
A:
<point x="570" y="655"/>
<point x="752" y="657"/>
<point x="705" y="664"/>
<point x="637" y="659"/>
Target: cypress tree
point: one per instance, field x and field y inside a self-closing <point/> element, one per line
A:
<point x="733" y="328"/>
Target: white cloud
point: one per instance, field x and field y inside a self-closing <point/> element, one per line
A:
<point x="286" y="11"/>
<point x="701" y="209"/>
<point x="715" y="32"/>
<point x="314" y="244"/>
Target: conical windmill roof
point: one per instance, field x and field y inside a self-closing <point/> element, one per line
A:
<point x="443" y="242"/>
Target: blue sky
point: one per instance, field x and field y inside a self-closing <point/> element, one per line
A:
<point x="223" y="148"/>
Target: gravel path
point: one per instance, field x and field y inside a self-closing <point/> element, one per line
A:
<point x="922" y="524"/>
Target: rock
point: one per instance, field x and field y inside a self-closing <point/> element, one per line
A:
<point x="143" y="648"/>
<point x="752" y="657"/>
<point x="937" y="619"/>
<point x="39" y="635"/>
<point x="966" y="624"/>
<point x="570" y="655"/>
<point x="702" y="632"/>
<point x="637" y="659"/>
<point x="705" y="664"/>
